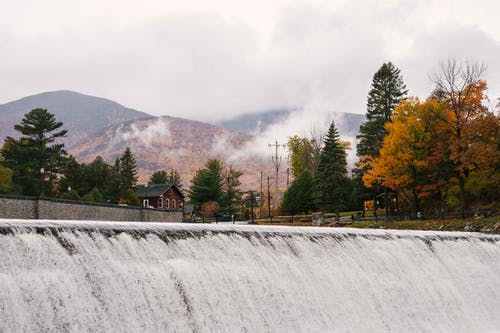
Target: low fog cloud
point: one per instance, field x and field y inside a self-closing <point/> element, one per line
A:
<point x="146" y="136"/>
<point x="310" y="121"/>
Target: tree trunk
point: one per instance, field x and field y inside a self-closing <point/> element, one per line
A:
<point x="463" y="203"/>
<point x="415" y="199"/>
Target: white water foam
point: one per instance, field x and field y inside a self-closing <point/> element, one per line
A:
<point x="80" y="276"/>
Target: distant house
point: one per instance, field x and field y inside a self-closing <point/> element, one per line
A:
<point x="161" y="196"/>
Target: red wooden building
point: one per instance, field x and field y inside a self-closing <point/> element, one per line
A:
<point x="161" y="196"/>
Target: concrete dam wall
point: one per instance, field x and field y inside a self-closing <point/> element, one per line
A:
<point x="16" y="207"/>
<point x="71" y="276"/>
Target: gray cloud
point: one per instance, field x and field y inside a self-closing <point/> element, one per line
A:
<point x="211" y="60"/>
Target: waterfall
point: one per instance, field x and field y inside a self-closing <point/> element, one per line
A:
<point x="63" y="276"/>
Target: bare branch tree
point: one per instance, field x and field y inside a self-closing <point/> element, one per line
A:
<point x="456" y="83"/>
<point x="317" y="135"/>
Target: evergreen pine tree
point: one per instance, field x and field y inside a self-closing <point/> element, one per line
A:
<point x="207" y="184"/>
<point x="73" y="179"/>
<point x="94" y="196"/>
<point x="158" y="177"/>
<point x="71" y="195"/>
<point x="299" y="198"/>
<point x="331" y="174"/>
<point x="84" y="178"/>
<point x="127" y="173"/>
<point x="112" y="186"/>
<point x="162" y="177"/>
<point x="99" y="174"/>
<point x="35" y="158"/>
<point x="231" y="196"/>
<point x="175" y="178"/>
<point x="386" y="93"/>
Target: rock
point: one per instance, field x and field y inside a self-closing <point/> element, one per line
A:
<point x="486" y="229"/>
<point x="318" y="219"/>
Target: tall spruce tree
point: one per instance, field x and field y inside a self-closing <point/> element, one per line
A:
<point x="386" y="93"/>
<point x="331" y="173"/>
<point x="127" y="177"/>
<point x="162" y="177"/>
<point x="99" y="174"/>
<point x="36" y="158"/>
<point x="174" y="177"/>
<point x="73" y="178"/>
<point x="78" y="180"/>
<point x="231" y="196"/>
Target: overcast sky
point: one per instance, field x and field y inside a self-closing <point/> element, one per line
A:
<point x="209" y="60"/>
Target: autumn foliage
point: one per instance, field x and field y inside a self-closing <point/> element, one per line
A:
<point x="442" y="153"/>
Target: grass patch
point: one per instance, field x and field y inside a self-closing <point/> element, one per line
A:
<point x="490" y="225"/>
<point x="486" y="225"/>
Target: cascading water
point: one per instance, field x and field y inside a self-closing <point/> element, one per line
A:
<point x="148" y="277"/>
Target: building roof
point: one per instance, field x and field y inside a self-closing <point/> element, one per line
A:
<point x="155" y="190"/>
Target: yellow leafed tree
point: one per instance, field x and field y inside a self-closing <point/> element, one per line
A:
<point x="403" y="155"/>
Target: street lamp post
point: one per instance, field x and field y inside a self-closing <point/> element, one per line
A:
<point x="42" y="182"/>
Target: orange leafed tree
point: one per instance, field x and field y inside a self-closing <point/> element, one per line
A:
<point x="446" y="147"/>
<point x="469" y="134"/>
<point x="422" y="154"/>
<point x="403" y="156"/>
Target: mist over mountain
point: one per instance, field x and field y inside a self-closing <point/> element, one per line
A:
<point x="255" y="123"/>
<point x="81" y="114"/>
<point x="258" y="123"/>
<point x="165" y="143"/>
<point x="278" y="125"/>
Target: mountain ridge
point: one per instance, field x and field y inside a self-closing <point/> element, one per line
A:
<point x="82" y="115"/>
<point x="102" y="127"/>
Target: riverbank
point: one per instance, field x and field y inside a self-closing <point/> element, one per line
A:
<point x="489" y="225"/>
<point x="486" y="225"/>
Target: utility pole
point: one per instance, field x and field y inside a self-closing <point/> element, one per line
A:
<point x="252" y="221"/>
<point x="276" y="162"/>
<point x="261" y="196"/>
<point x="287" y="177"/>
<point x="288" y="171"/>
<point x="268" y="197"/>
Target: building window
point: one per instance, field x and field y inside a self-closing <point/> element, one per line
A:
<point x="181" y="203"/>
<point x="160" y="202"/>
<point x="167" y="204"/>
<point x="173" y="204"/>
<point x="145" y="203"/>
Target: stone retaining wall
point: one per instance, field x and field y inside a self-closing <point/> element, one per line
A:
<point x="15" y="207"/>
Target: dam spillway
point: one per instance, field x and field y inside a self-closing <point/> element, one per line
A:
<point x="75" y="276"/>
